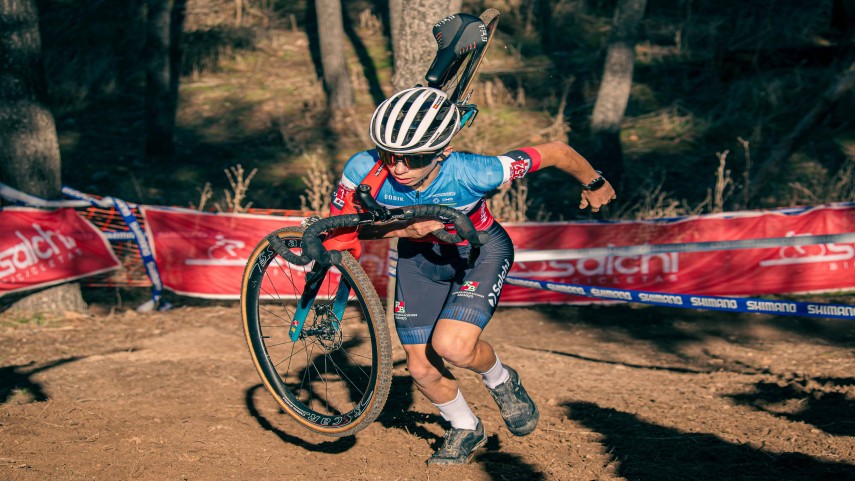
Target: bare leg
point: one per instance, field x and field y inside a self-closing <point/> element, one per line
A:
<point x="459" y="343"/>
<point x="429" y="373"/>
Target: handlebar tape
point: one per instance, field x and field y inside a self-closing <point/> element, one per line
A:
<point x="313" y="247"/>
<point x="465" y="229"/>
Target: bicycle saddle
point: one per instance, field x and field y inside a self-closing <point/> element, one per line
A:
<point x="455" y="36"/>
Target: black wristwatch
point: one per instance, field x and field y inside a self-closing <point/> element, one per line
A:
<point x="596" y="183"/>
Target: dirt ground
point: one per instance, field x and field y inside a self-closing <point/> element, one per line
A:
<point x="625" y="392"/>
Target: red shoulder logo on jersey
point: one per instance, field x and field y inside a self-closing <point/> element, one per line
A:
<point x="518" y="168"/>
<point x="339" y="196"/>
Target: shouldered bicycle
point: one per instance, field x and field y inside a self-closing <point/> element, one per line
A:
<point x="327" y="358"/>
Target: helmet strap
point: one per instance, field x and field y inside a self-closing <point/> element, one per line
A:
<point x="435" y="164"/>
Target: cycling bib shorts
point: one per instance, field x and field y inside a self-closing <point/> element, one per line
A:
<point x="434" y="281"/>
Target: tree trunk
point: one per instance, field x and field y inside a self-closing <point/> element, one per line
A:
<point x="331" y="38"/>
<point x="412" y="37"/>
<point x="164" y="24"/>
<point x="789" y="144"/>
<point x="613" y="95"/>
<point x="29" y="149"/>
<point x="544" y="25"/>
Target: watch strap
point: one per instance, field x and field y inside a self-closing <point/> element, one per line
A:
<point x="596" y="183"/>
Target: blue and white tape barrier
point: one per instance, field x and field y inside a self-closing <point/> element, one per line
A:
<point x="135" y="232"/>
<point x="732" y="304"/>
<point x="649" y="249"/>
<point x="145" y="250"/>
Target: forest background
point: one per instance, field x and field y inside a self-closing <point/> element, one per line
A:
<point x="717" y="87"/>
<point x="686" y="106"/>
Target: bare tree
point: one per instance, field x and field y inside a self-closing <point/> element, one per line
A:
<point x="164" y="25"/>
<point x="29" y="149"/>
<point x="331" y="37"/>
<point x="613" y="95"/>
<point x="412" y="40"/>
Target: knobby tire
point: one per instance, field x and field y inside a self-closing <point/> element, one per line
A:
<point x="333" y="381"/>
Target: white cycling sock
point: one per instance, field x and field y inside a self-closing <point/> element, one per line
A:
<point x="496" y="375"/>
<point x="458" y="413"/>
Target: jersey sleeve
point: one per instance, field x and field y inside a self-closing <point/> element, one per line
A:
<point x="356" y="168"/>
<point x="485" y="172"/>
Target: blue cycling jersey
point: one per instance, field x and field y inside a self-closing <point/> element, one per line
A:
<point x="462" y="182"/>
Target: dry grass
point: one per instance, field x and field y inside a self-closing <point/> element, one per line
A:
<point x="252" y="96"/>
<point x="823" y="188"/>
<point x="671" y="129"/>
<point x="651" y="201"/>
<point x="510" y="203"/>
<point x="723" y="183"/>
<point x="319" y="184"/>
<point x="205" y="194"/>
<point x="233" y="199"/>
<point x="239" y="184"/>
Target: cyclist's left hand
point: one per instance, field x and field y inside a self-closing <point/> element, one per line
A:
<point x="597" y="198"/>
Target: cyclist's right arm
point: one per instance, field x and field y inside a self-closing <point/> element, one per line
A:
<point x="356" y="168"/>
<point x="359" y="167"/>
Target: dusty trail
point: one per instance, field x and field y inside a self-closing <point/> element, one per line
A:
<point x="625" y="393"/>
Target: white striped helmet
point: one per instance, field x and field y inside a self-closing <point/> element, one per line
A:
<point x="420" y="119"/>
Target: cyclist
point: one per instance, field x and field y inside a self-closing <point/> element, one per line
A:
<point x="443" y="301"/>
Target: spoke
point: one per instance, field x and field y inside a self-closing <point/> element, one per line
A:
<point x="289" y="274"/>
<point x="350" y="357"/>
<point x="348" y="354"/>
<point x="326" y="386"/>
<point x="288" y="369"/>
<point x="340" y="373"/>
<point x="344" y="375"/>
<point x="273" y="284"/>
<point x="306" y="372"/>
<point x="289" y="357"/>
<point x="281" y="304"/>
<point x="321" y="378"/>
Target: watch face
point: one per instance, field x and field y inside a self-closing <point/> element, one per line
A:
<point x="596" y="184"/>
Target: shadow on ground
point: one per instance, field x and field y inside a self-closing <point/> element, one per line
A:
<point x="340" y="445"/>
<point x="671" y="329"/>
<point x="820" y="402"/>
<point x="19" y="379"/>
<point x="647" y="451"/>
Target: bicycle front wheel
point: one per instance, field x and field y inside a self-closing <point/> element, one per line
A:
<point x="335" y="378"/>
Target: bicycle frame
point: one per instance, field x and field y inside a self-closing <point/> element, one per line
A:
<point x="372" y="213"/>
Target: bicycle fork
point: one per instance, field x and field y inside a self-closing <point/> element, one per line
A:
<point x="313" y="285"/>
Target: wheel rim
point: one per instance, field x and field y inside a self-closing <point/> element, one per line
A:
<point x="327" y="379"/>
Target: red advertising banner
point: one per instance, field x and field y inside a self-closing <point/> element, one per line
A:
<point x="39" y="248"/>
<point x="796" y="269"/>
<point x="203" y="254"/>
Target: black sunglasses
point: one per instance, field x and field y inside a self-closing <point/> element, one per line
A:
<point x="412" y="161"/>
